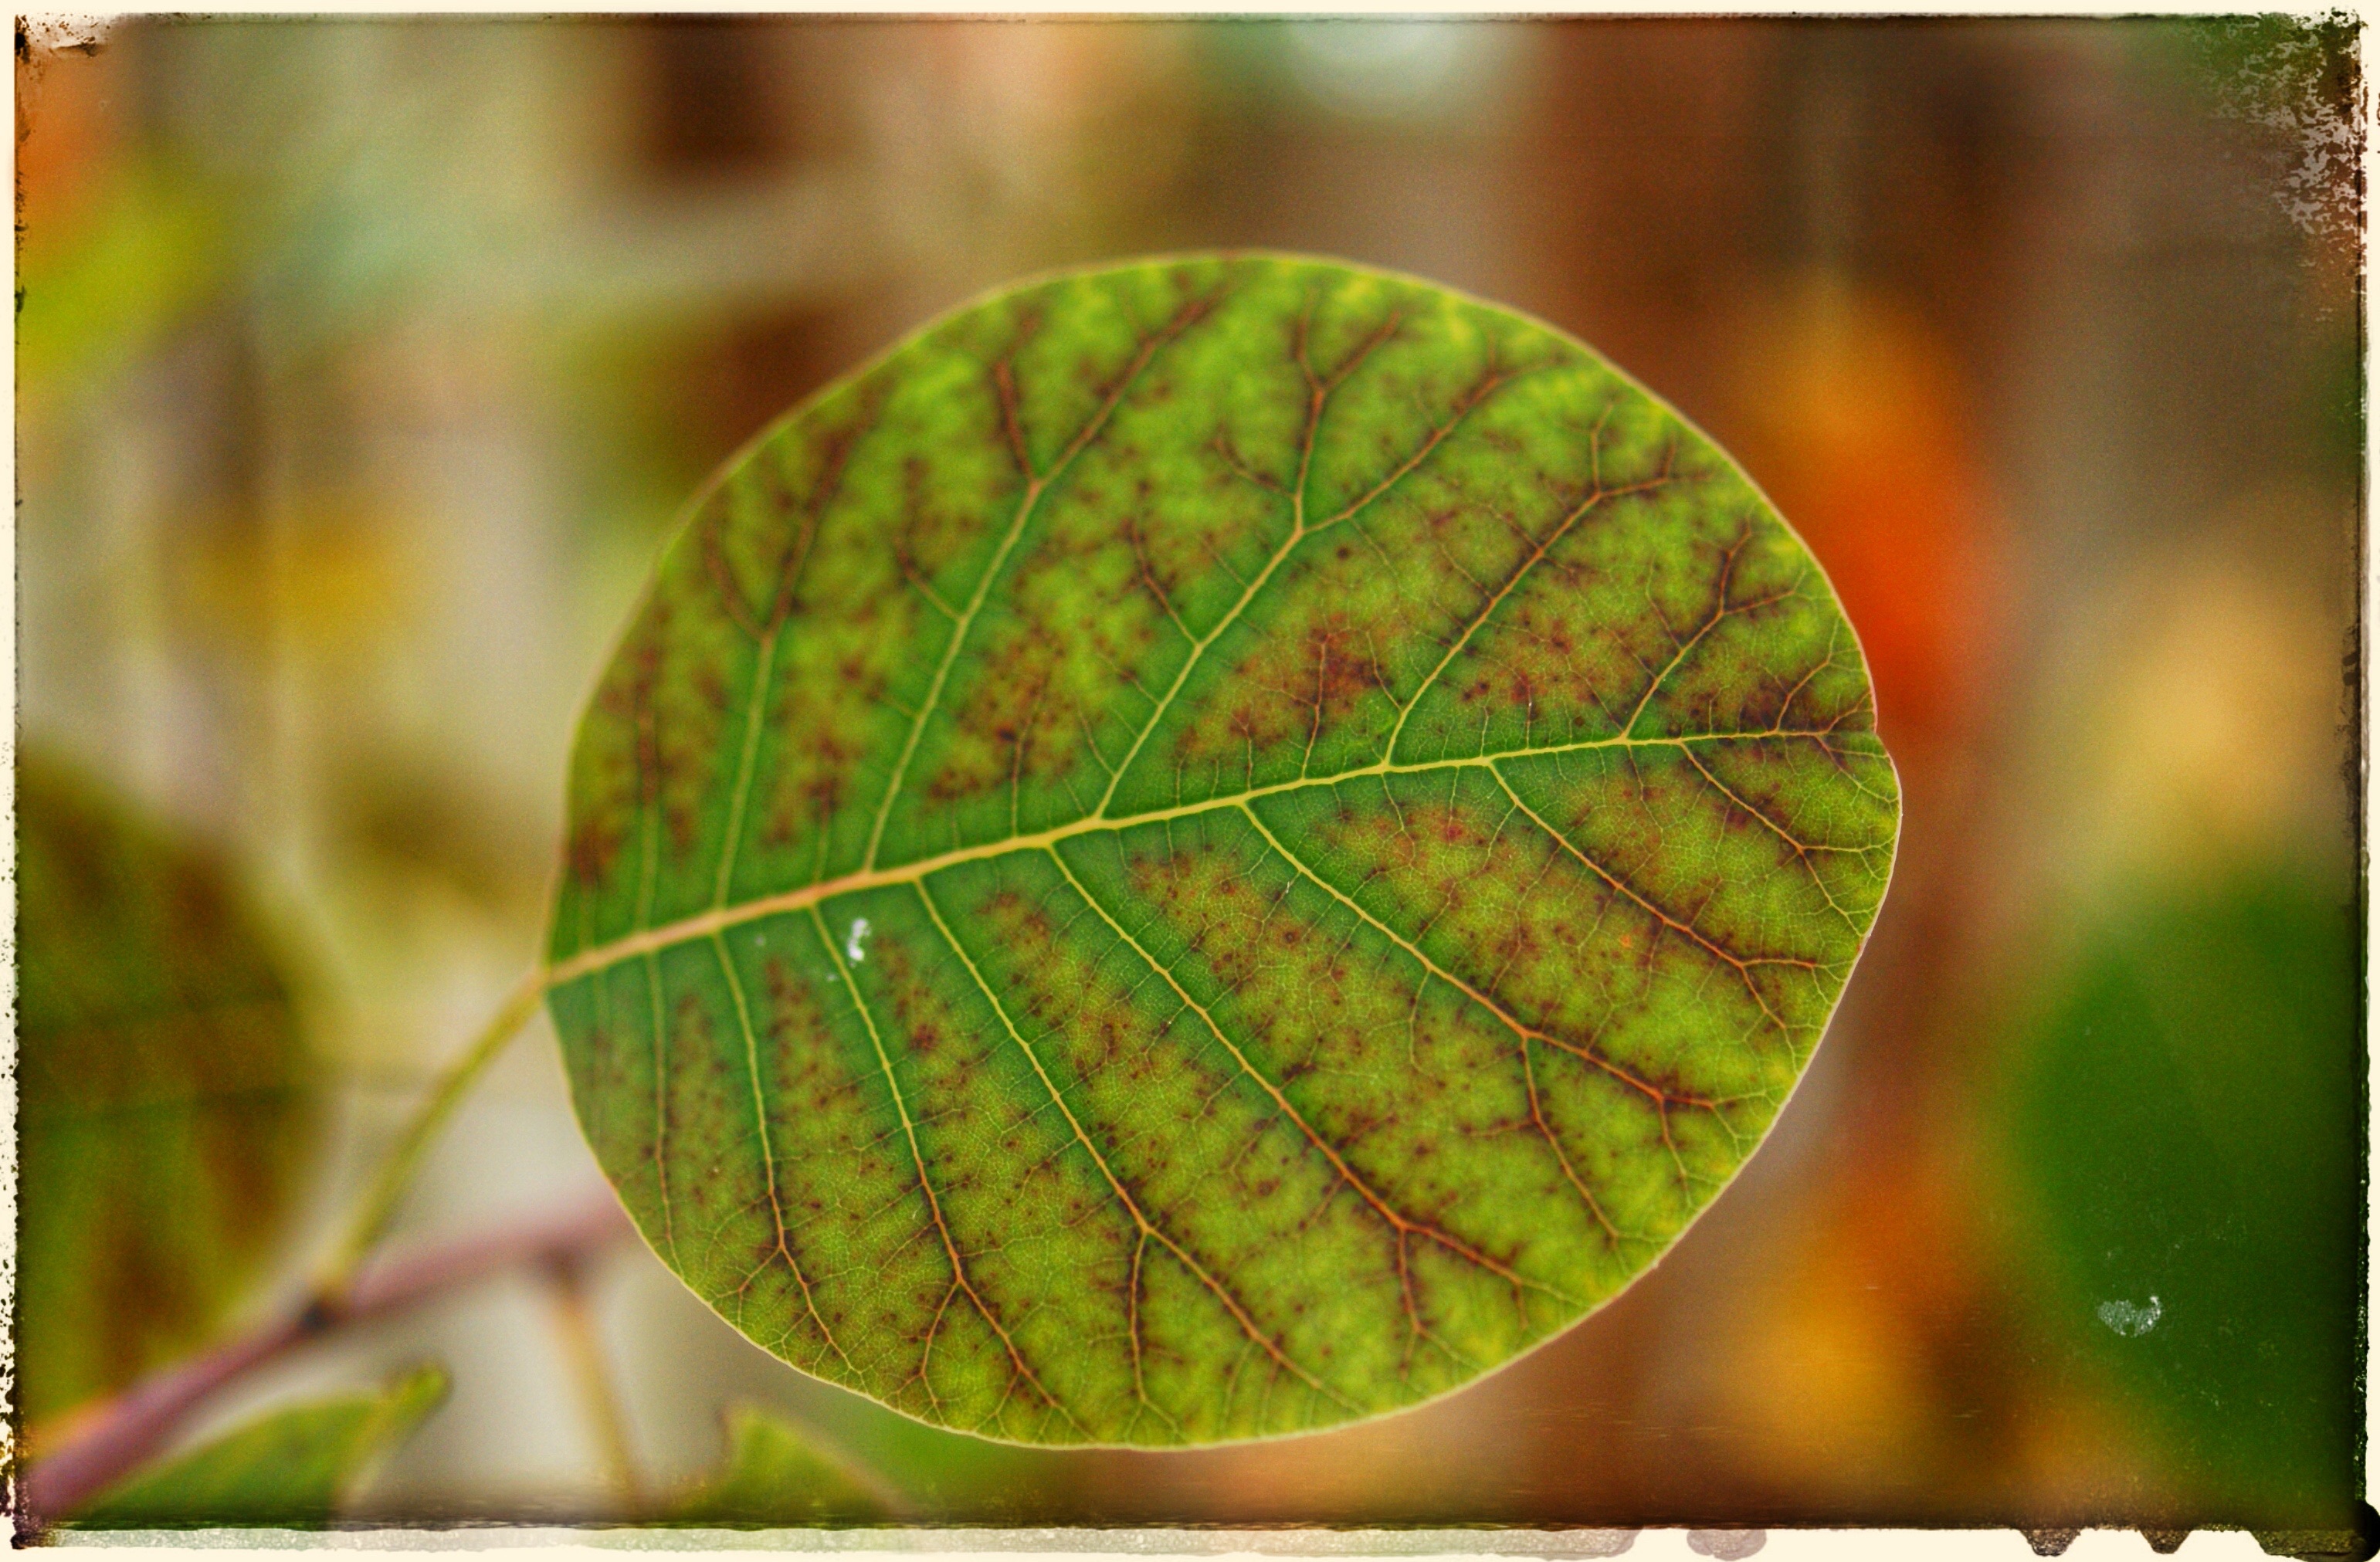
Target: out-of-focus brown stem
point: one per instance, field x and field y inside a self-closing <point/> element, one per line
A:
<point x="119" y="1437"/>
<point x="607" y="1417"/>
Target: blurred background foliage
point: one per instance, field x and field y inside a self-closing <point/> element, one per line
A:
<point x="363" y="364"/>
<point x="169" y="1102"/>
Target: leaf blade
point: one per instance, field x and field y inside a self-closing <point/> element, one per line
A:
<point x="1275" y="814"/>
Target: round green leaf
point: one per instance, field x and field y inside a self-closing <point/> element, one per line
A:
<point x="169" y="1105"/>
<point x="1207" y="849"/>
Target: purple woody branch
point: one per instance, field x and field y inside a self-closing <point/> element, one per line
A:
<point x="127" y="1432"/>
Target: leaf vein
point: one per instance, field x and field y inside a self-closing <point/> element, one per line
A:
<point x="926" y="1186"/>
<point x="702" y="924"/>
<point x="1037" y="484"/>
<point x="767" y="1153"/>
<point x="1148" y="1227"/>
<point x="1403" y="1224"/>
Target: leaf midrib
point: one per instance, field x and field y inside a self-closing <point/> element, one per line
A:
<point x="718" y="919"/>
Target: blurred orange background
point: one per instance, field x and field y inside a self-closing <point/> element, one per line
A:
<point x="363" y="363"/>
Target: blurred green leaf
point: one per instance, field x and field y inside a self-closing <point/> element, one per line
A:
<point x="292" y="1467"/>
<point x="774" y="1476"/>
<point x="168" y="1104"/>
<point x="93" y="295"/>
<point x="2187" y="1120"/>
